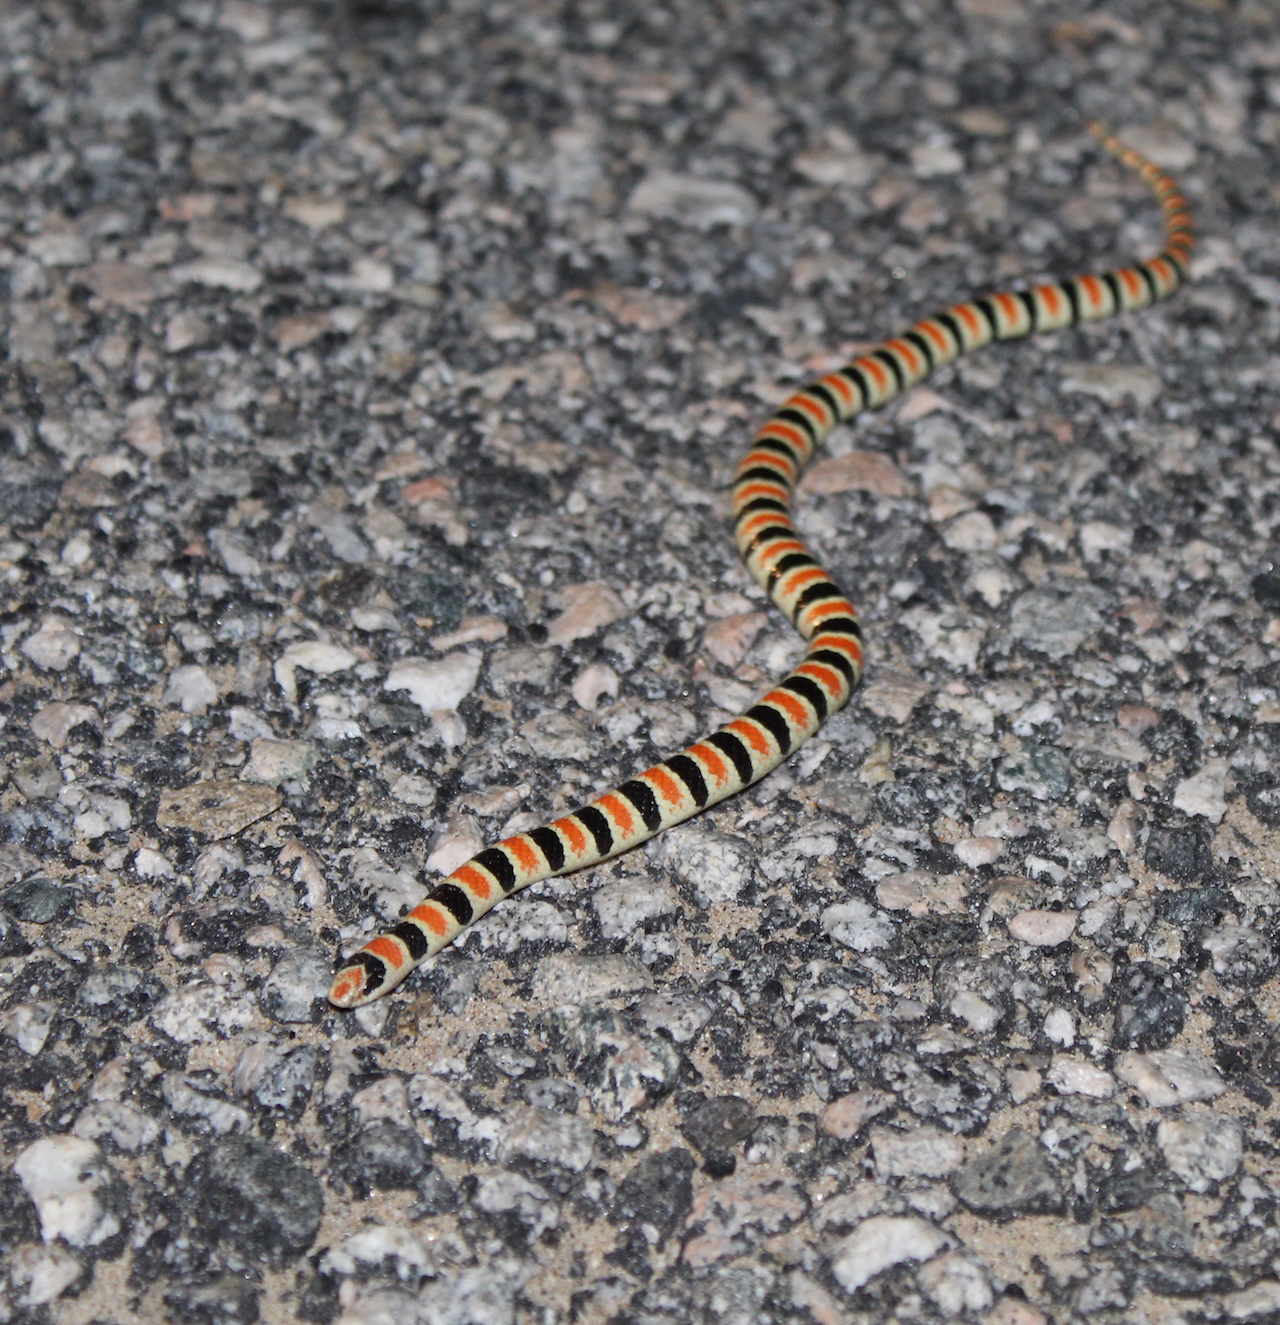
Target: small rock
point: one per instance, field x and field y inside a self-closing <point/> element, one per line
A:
<point x="1170" y="1076"/>
<point x="1013" y="1177"/>
<point x="316" y="656"/>
<point x="221" y="273"/>
<point x="719" y="1124"/>
<point x="192" y="688"/>
<point x="681" y="1016"/>
<point x="974" y="852"/>
<point x="218" y="1115"/>
<point x="658" y="1191"/>
<point x="1241" y="956"/>
<point x="1182" y="854"/>
<point x="151" y="864"/>
<point x="956" y="1283"/>
<point x="273" y="762"/>
<point x="54" y="646"/>
<point x="894" y="693"/>
<point x="920" y="893"/>
<point x="1097" y="537"/>
<point x="586" y="609"/>
<point x="1137" y="718"/>
<point x="1057" y="622"/>
<point x="558" y="736"/>
<point x="201" y="1013"/>
<point x="66" y="1179"/>
<point x="728" y="639"/>
<point x="844" y="166"/>
<point x="1150" y="1007"/>
<point x="972" y="532"/>
<point x="550" y="1137"/>
<point x="1043" y="929"/>
<point x="1259" y="1299"/>
<point x="439" y="685"/>
<point x="385" y="1155"/>
<point x="921" y="1152"/>
<point x="216" y="809"/>
<point x="55" y="722"/>
<point x="858" y="925"/>
<point x="38" y="901"/>
<point x="123" y="284"/>
<point x="128" y="1127"/>
<point x="461" y="840"/>
<point x="1077" y="1076"/>
<point x="255" y="1196"/>
<point x="692" y="200"/>
<point x="1040" y="769"/>
<point x="1205" y="793"/>
<point x="230" y="1299"/>
<point x="1112" y="382"/>
<point x="858" y="471"/>
<point x="593" y="683"/>
<point x="572" y="979"/>
<point x="39" y="778"/>
<point x="1203" y="1149"/>
<point x="296" y="987"/>
<point x="929" y="160"/>
<point x="716" y="866"/>
<point x="29" y="1024"/>
<point x="881" y="1242"/>
<point x="1060" y="1027"/>
<point x="45" y="1272"/>
<point x="624" y="906"/>
<point x="845" y="1118"/>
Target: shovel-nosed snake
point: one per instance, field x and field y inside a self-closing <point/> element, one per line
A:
<point x="744" y="750"/>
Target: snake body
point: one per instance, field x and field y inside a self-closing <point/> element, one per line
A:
<point x="744" y="750"/>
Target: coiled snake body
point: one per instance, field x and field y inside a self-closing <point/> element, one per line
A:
<point x="743" y="751"/>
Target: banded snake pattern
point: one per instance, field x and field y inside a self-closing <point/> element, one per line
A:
<point x="743" y="751"/>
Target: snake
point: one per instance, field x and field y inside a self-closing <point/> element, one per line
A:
<point x="744" y="750"/>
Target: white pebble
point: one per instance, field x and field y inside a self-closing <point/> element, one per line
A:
<point x="53" y="646"/>
<point x="728" y="639"/>
<point x="1204" y="793"/>
<point x="975" y="851"/>
<point x="62" y="1175"/>
<point x="221" y="273"/>
<point x="456" y="845"/>
<point x="920" y="893"/>
<point x="1043" y="929"/>
<point x="587" y="608"/>
<point x="1077" y="1076"/>
<point x="881" y="1242"/>
<point x="973" y="532"/>
<point x="274" y="762"/>
<point x="624" y="906"/>
<point x="921" y="1152"/>
<point x="956" y="1283"/>
<point x="55" y="722"/>
<point x="1097" y="537"/>
<point x="316" y="656"/>
<point x="1060" y="1027"/>
<point x="692" y="200"/>
<point x="440" y="684"/>
<point x="47" y="1273"/>
<point x="1259" y="1299"/>
<point x="1170" y="1076"/>
<point x="29" y="1024"/>
<point x="192" y="688"/>
<point x="972" y="1008"/>
<point x="1201" y="1150"/>
<point x="593" y="682"/>
<point x="858" y="925"/>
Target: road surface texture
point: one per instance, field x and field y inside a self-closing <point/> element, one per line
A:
<point x="374" y="374"/>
